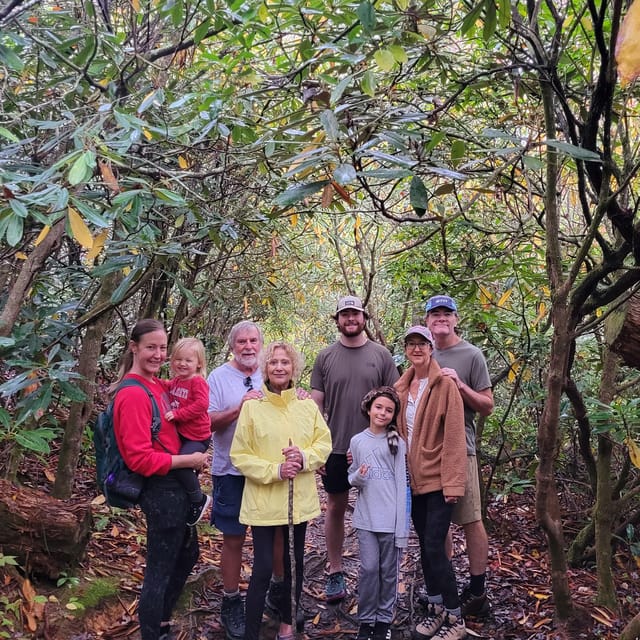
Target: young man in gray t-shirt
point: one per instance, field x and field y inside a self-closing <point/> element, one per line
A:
<point x="342" y="374"/>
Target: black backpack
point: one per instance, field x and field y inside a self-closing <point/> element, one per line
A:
<point x="120" y="486"/>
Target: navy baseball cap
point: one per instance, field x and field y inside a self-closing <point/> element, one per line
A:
<point x="441" y="301"/>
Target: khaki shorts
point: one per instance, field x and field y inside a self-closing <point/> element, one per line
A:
<point x="469" y="508"/>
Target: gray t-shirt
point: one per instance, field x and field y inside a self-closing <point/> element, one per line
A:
<point x="471" y="367"/>
<point x="345" y="375"/>
<point x="226" y="388"/>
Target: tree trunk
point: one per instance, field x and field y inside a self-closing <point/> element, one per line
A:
<point x="623" y="331"/>
<point x="632" y="630"/>
<point x="47" y="536"/>
<point x="32" y="265"/>
<point x="80" y="412"/>
<point x="547" y="505"/>
<point x="604" y="510"/>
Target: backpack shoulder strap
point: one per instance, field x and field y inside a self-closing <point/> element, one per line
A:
<point x="156" y="419"/>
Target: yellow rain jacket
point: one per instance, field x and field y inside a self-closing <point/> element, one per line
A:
<point x="263" y="430"/>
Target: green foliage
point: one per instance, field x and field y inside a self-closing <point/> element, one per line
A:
<point x="92" y="593"/>
<point x="67" y="580"/>
<point x="6" y="561"/>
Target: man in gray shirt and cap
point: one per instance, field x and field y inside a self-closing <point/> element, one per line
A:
<point x="342" y="374"/>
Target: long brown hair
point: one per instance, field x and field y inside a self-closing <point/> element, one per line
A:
<point x="142" y="327"/>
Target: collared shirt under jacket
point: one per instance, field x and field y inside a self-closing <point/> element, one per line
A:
<point x="264" y="428"/>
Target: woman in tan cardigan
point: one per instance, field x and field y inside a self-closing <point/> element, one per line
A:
<point x="431" y="420"/>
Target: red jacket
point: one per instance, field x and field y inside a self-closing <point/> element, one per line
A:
<point x="190" y="404"/>
<point x="132" y="427"/>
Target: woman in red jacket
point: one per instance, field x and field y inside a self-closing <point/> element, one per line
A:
<point x="172" y="546"/>
<point x="431" y="420"/>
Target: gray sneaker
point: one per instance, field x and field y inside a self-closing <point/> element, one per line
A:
<point x="232" y="617"/>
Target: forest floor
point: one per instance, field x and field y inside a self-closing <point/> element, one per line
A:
<point x="518" y="585"/>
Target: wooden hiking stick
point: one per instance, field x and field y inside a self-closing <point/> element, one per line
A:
<point x="292" y="553"/>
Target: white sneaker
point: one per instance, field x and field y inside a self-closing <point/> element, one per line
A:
<point x="430" y="623"/>
<point x="453" y="628"/>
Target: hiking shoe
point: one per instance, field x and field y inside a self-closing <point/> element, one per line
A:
<point x="336" y="589"/>
<point x="197" y="509"/>
<point x="452" y="628"/>
<point x="165" y="633"/>
<point x="474" y="606"/>
<point x="428" y="626"/>
<point x="422" y="596"/>
<point x="274" y="599"/>
<point x="232" y="617"/>
<point x="382" y="631"/>
<point x="365" y="632"/>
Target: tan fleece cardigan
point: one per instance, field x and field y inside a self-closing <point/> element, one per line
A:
<point x="437" y="458"/>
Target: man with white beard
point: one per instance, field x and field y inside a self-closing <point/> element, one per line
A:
<point x="230" y="385"/>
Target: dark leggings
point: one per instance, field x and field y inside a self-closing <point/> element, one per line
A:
<point x="188" y="477"/>
<point x="261" y="574"/>
<point x="431" y="517"/>
<point x="172" y="551"/>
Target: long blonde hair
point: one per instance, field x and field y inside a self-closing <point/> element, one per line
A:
<point x="195" y="345"/>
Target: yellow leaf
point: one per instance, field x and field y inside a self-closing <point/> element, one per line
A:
<point x="79" y="229"/>
<point x="183" y="162"/>
<point x="42" y="235"/>
<point x="147" y="134"/>
<point x="136" y="5"/>
<point x="628" y="46"/>
<point x="485" y="297"/>
<point x="98" y="244"/>
<point x="504" y="298"/>
<point x="634" y="451"/>
<point x="542" y="312"/>
<point x="293" y="219"/>
<point x="21" y="256"/>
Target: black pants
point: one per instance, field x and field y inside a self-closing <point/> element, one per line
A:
<point x="431" y="517"/>
<point x="189" y="477"/>
<point x="261" y="575"/>
<point x="172" y="551"/>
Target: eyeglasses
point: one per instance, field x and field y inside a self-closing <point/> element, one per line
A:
<point x="416" y="345"/>
<point x="248" y="383"/>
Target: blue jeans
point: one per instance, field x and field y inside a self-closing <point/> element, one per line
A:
<point x="431" y="517"/>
